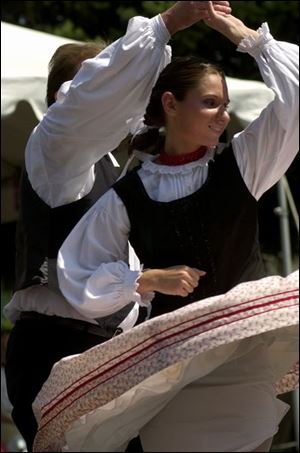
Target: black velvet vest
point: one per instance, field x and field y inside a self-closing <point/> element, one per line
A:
<point x="41" y="230"/>
<point x="214" y="229"/>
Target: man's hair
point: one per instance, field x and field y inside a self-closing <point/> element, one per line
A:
<point x="66" y="62"/>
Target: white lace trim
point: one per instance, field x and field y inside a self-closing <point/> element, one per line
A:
<point x="44" y="271"/>
<point x="152" y="167"/>
<point x="146" y="298"/>
<point x="249" y="42"/>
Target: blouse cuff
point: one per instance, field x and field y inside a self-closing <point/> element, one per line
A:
<point x="252" y="45"/>
<point x="132" y="286"/>
<point x="146" y="299"/>
<point x="160" y="30"/>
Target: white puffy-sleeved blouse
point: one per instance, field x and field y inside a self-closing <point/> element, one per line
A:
<point x="92" y="264"/>
<point x="94" y="112"/>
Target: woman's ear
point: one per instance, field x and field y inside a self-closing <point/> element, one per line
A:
<point x="169" y="103"/>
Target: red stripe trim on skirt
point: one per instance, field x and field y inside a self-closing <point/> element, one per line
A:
<point x="216" y="319"/>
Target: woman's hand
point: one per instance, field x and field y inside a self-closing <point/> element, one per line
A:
<point x="231" y="27"/>
<point x="175" y="280"/>
<point x="184" y="14"/>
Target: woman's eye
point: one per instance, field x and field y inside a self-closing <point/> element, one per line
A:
<point x="210" y="102"/>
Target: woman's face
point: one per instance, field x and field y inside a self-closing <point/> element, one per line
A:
<point x="202" y="117"/>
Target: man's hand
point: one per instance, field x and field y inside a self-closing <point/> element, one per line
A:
<point x="231" y="27"/>
<point x="184" y="14"/>
<point x="175" y="280"/>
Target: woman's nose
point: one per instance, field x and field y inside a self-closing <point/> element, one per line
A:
<point x="222" y="114"/>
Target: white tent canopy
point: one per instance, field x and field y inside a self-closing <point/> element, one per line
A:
<point x="25" y="55"/>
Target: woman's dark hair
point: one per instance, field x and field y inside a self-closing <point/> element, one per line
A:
<point x="179" y="76"/>
<point x="66" y="62"/>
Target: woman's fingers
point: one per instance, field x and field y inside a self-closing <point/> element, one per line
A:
<point x="199" y="272"/>
<point x="210" y="11"/>
<point x="223" y="7"/>
<point x="190" y="280"/>
<point x="176" y="280"/>
<point x="187" y="287"/>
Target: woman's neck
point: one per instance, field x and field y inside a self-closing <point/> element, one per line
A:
<point x="177" y="147"/>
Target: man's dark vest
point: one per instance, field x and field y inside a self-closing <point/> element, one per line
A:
<point x="41" y="230"/>
<point x="214" y="229"/>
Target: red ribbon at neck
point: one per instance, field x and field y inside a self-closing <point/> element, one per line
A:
<point x="181" y="159"/>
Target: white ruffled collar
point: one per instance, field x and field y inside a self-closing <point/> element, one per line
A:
<point x="149" y="164"/>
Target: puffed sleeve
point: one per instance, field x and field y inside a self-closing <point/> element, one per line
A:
<point x="95" y="111"/>
<point x="267" y="147"/>
<point x="93" y="263"/>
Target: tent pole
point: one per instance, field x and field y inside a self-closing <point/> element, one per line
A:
<point x="282" y="212"/>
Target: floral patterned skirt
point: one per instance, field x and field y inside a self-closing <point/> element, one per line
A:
<point x="139" y="380"/>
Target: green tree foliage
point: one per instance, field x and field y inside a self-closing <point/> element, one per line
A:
<point x="95" y="20"/>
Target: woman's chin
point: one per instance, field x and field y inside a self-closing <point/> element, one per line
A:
<point x="212" y="143"/>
